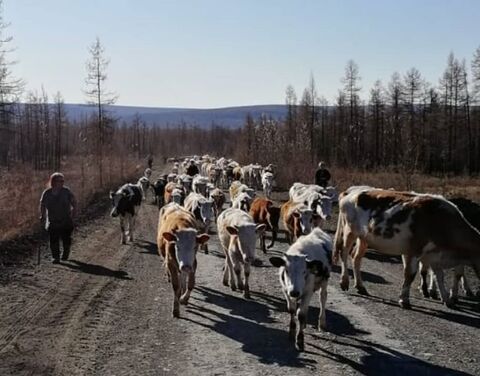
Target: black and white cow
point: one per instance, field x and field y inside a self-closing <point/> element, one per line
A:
<point x="126" y="201"/>
<point x="304" y="269"/>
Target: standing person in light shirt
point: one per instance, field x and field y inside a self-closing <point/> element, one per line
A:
<point x="57" y="211"/>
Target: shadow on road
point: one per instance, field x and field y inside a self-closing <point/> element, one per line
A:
<point x="148" y="247"/>
<point x="446" y="314"/>
<point x="381" y="360"/>
<point x="96" y="269"/>
<point x="373" y="255"/>
<point x="366" y="276"/>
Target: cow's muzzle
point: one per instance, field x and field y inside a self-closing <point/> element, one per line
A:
<point x="294" y="294"/>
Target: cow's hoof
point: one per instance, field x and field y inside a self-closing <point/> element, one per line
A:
<point x="344" y="285"/>
<point x="405" y="303"/>
<point x="225" y="283"/>
<point x="233" y="287"/>
<point x="469" y="294"/>
<point x="123" y="241"/>
<point x="322" y="327"/>
<point x="433" y="294"/>
<point x="246" y="295"/>
<point x="299" y="346"/>
<point x="450" y="303"/>
<point x="425" y="292"/>
<point x="206" y="251"/>
<point x="184" y="301"/>
<point x="176" y="314"/>
<point x="362" y="290"/>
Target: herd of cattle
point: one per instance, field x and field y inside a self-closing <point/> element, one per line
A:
<point x="428" y="231"/>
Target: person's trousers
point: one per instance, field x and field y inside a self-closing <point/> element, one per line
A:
<point x="66" y="236"/>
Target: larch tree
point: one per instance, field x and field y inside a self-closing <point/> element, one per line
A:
<point x="10" y="89"/>
<point x="98" y="96"/>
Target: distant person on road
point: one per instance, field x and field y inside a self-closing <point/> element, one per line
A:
<point x="192" y="169"/>
<point x="322" y="175"/>
<point x="150" y="161"/>
<point x="57" y="210"/>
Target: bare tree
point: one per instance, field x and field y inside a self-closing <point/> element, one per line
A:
<point x="98" y="95"/>
<point x="10" y="89"/>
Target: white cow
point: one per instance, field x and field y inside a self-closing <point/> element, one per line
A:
<point x="304" y="269"/>
<point x="237" y="233"/>
<point x="199" y="184"/>
<point x="202" y="209"/>
<point x="267" y="183"/>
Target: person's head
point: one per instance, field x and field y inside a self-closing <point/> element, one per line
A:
<point x="192" y="162"/>
<point x="56" y="180"/>
<point x="322" y="165"/>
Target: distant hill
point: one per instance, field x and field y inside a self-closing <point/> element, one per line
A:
<point x="231" y="117"/>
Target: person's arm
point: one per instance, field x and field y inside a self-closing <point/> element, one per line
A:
<point x="42" y="211"/>
<point x="73" y="203"/>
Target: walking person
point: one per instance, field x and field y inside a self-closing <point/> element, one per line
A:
<point x="322" y="175"/>
<point x="57" y="210"/>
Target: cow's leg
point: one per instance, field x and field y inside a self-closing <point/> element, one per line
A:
<point x="191" y="284"/>
<point x="361" y="249"/>
<point x="458" y="274"/>
<point x="322" y="323"/>
<point x="302" y="311"/>
<point x="228" y="273"/>
<point x="122" y="228"/>
<point x="262" y="242"/>
<point x="466" y="286"/>
<point x="173" y="272"/>
<point x="347" y="245"/>
<point x="439" y="276"/>
<point x="432" y="287"/>
<point x="423" y="279"/>
<point x="131" y="226"/>
<point x="246" y="271"/>
<point x="237" y="268"/>
<point x="410" y="267"/>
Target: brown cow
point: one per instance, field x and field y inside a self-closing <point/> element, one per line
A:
<point x="218" y="198"/>
<point x="419" y="227"/>
<point x="174" y="192"/>
<point x="297" y="220"/>
<point x="263" y="211"/>
<point x="178" y="243"/>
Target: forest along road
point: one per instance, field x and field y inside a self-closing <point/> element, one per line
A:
<point x="107" y="311"/>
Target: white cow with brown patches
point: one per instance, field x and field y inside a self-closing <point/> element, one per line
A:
<point x="304" y="269"/>
<point x="419" y="227"/>
<point x="202" y="209"/>
<point x="238" y="234"/>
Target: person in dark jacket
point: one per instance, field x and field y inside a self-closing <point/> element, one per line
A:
<point x="192" y="169"/>
<point x="322" y="175"/>
<point x="57" y="210"/>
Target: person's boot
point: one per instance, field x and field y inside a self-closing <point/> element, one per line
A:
<point x="66" y="254"/>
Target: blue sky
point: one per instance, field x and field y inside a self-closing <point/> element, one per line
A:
<point x="206" y="53"/>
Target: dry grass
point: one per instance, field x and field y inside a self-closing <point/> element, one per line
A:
<point x="342" y="178"/>
<point x="22" y="186"/>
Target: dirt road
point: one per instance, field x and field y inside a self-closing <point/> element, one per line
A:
<point x="107" y="311"/>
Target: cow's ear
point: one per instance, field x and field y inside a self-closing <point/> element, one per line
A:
<point x="232" y="230"/>
<point x="169" y="237"/>
<point x="296" y="214"/>
<point x="316" y="267"/>
<point x="112" y="194"/>
<point x="202" y="238"/>
<point x="260" y="228"/>
<point x="277" y="261"/>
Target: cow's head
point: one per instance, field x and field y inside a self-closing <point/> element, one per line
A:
<point x="206" y="211"/>
<point x="185" y="243"/>
<point x="245" y="201"/>
<point x="243" y="238"/>
<point x="119" y="201"/>
<point x="294" y="270"/>
<point x="320" y="204"/>
<point x="178" y="196"/>
<point x="303" y="217"/>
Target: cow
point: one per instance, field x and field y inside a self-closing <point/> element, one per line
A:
<point x="471" y="212"/>
<point x="178" y="241"/>
<point x="238" y="187"/>
<point x="242" y="201"/>
<point x="263" y="212"/>
<point x="174" y="192"/>
<point x="419" y="227"/>
<point x="304" y="269"/>
<point x="237" y="233"/>
<point x="267" y="183"/>
<point x="218" y="198"/>
<point x="126" y="201"/>
<point x="199" y="184"/>
<point x="144" y="185"/>
<point x="237" y="173"/>
<point x="312" y="196"/>
<point x="186" y="182"/>
<point x="202" y="209"/>
<point x="147" y="173"/>
<point x="159" y="190"/>
<point x="172" y="177"/>
<point x="297" y="220"/>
